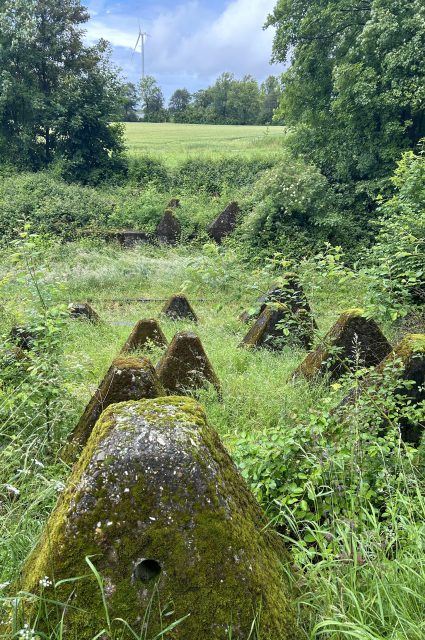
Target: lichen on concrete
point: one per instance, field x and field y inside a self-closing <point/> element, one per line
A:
<point x="225" y="223"/>
<point x="178" y="307"/>
<point x="128" y="378"/>
<point x="185" y="365"/>
<point x="168" y="230"/>
<point x="154" y="482"/>
<point x="146" y="333"/>
<point x="83" y="311"/>
<point x="354" y="340"/>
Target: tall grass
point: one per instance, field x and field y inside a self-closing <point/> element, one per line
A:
<point x="361" y="577"/>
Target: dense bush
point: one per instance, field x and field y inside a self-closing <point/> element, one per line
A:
<point x="55" y="207"/>
<point x="398" y="256"/>
<point x="295" y="208"/>
<point x="214" y="175"/>
<point x="332" y="465"/>
<point x="144" y="169"/>
<point x="50" y="205"/>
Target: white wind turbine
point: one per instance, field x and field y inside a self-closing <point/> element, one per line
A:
<point x="142" y="39"/>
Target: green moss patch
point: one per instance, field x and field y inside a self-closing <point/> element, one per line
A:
<point x="159" y="506"/>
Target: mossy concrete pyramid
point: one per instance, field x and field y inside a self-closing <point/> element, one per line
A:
<point x="128" y="378"/>
<point x="405" y="363"/>
<point x="266" y="332"/>
<point x="289" y="292"/>
<point x="145" y="334"/>
<point x="159" y="507"/>
<point x="178" y="307"/>
<point x="225" y="223"/>
<point x="352" y="339"/>
<point x="185" y="365"/>
<point x="168" y="230"/>
<point x="83" y="311"/>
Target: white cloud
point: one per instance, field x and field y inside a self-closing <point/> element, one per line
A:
<point x="193" y="41"/>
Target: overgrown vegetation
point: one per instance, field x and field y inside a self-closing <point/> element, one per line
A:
<point x="338" y="196"/>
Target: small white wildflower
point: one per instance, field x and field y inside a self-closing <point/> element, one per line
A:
<point x="26" y="633"/>
<point x="38" y="463"/>
<point x="45" y="582"/>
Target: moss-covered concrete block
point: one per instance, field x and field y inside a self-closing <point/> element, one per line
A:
<point x="352" y="339"/>
<point x="83" y="311"/>
<point x="159" y="507"/>
<point x="185" y="365"/>
<point x="277" y="326"/>
<point x="297" y="318"/>
<point x="405" y="363"/>
<point x="265" y="332"/>
<point x="289" y="292"/>
<point x="225" y="223"/>
<point x="145" y="334"/>
<point x="178" y="307"/>
<point x="128" y="378"/>
<point x="168" y="230"/>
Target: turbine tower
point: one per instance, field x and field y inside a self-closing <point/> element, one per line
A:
<point x="142" y="39"/>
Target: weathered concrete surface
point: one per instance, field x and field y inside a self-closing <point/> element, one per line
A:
<point x="128" y="378"/>
<point x="405" y="363"/>
<point x="266" y="331"/>
<point x="178" y="307"/>
<point x="225" y="223"/>
<point x="168" y="230"/>
<point x="158" y="505"/>
<point x="289" y="292"/>
<point x="83" y="311"/>
<point x="352" y="339"/>
<point x="145" y="334"/>
<point x="185" y="365"/>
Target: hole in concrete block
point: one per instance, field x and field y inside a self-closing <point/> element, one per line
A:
<point x="147" y="569"/>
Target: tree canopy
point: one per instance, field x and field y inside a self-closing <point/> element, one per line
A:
<point x="54" y="90"/>
<point x="152" y="100"/>
<point x="355" y="88"/>
<point x="228" y="101"/>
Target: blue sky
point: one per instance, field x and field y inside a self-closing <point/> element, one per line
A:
<point x="191" y="41"/>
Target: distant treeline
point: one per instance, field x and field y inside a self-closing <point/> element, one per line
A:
<point x="227" y="101"/>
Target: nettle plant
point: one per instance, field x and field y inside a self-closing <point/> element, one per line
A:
<point x="338" y="464"/>
<point x="32" y="375"/>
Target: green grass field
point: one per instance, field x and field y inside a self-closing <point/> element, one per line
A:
<point x="178" y="141"/>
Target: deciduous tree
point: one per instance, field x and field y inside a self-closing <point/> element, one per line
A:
<point x="43" y="61"/>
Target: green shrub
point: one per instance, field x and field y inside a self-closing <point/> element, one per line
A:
<point x="50" y="206"/>
<point x="144" y="170"/>
<point x="214" y="175"/>
<point x="328" y="465"/>
<point x="294" y="207"/>
<point x="398" y="257"/>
